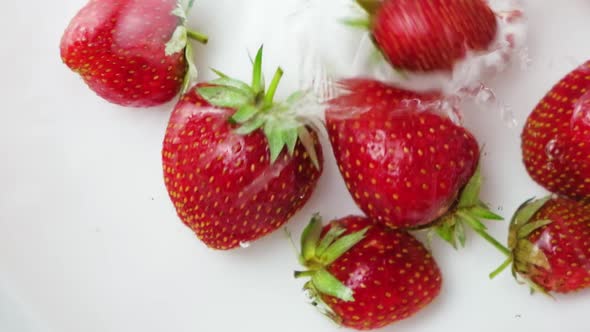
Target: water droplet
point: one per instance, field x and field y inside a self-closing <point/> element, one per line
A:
<point x="485" y="95"/>
<point x="245" y="244"/>
<point x="551" y="149"/>
<point x="508" y="116"/>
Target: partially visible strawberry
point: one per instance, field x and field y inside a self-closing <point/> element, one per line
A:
<point x="549" y="241"/>
<point x="429" y="35"/>
<point x="237" y="165"/>
<point x="556" y="137"/>
<point x="365" y="275"/>
<point x="131" y="52"/>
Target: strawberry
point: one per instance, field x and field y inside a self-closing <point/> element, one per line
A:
<point x="364" y="275"/>
<point x="405" y="164"/>
<point x="556" y="137"/>
<point x="429" y="35"/>
<point x="237" y="165"/>
<point x="131" y="52"/>
<point x="549" y="243"/>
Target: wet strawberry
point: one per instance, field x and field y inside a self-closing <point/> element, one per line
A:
<point x="365" y="275"/>
<point x="556" y="137"/>
<point x="236" y="164"/>
<point x="549" y="241"/>
<point x="428" y="35"/>
<point x="405" y="163"/>
<point x="131" y="52"/>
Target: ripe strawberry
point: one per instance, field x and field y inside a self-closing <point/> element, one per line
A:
<point x="225" y="166"/>
<point x="131" y="52"/>
<point x="406" y="164"/>
<point x="556" y="137"/>
<point x="364" y="275"/>
<point x="549" y="244"/>
<point x="429" y="35"/>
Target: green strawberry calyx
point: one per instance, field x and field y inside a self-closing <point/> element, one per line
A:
<point x="179" y="42"/>
<point x="317" y="253"/>
<point x="525" y="257"/>
<point x="469" y="211"/>
<point x="256" y="110"/>
<point x="364" y="21"/>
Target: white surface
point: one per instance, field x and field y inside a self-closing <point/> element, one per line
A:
<point x="89" y="240"/>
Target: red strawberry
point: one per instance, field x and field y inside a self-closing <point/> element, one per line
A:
<point x="406" y="164"/>
<point x="225" y="164"/>
<point x="556" y="137"/>
<point x="429" y="35"/>
<point x="364" y="275"/>
<point x="549" y="241"/>
<point x="131" y="52"/>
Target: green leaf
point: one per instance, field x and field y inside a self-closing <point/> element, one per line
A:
<point x="484" y="213"/>
<point x="219" y="73"/>
<point x="334" y="233"/>
<point x="460" y="233"/>
<point x="529" y="228"/>
<point x="257" y="79"/>
<point x="237" y="84"/>
<point x="446" y="231"/>
<point x="180" y="12"/>
<point x="310" y="238"/>
<point x="528" y="210"/>
<point x="472" y="221"/>
<point x="251" y="126"/>
<point x="370" y="6"/>
<point x="522" y="216"/>
<point x="362" y="23"/>
<point x="245" y="113"/>
<point x="341" y="246"/>
<point x="191" y="73"/>
<point x="290" y="137"/>
<point x="309" y="145"/>
<point x="225" y="96"/>
<point x="327" y="284"/>
<point x="470" y="194"/>
<point x="274" y="136"/>
<point x="190" y="4"/>
<point x="177" y="42"/>
<point x="295" y="97"/>
<point x="528" y="253"/>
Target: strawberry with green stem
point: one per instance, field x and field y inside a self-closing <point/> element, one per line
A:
<point x="364" y="275"/>
<point x="406" y="164"/>
<point x="133" y="53"/>
<point x="428" y="35"/>
<point x="549" y="243"/>
<point x="237" y="164"/>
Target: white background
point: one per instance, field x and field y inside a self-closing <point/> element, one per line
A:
<point x="89" y="240"/>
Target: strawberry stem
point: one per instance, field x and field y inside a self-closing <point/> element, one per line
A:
<point x="257" y="72"/>
<point x="272" y="89"/>
<point x="486" y="236"/>
<point x="501" y="269"/>
<point x="201" y="38"/>
<point x="370" y="6"/>
<point x="303" y="274"/>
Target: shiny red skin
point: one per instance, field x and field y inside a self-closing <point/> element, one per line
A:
<point x="428" y="35"/>
<point x="222" y="183"/>
<point x="566" y="243"/>
<point x="556" y="137"/>
<point x="118" y="47"/>
<point x="403" y="167"/>
<point x="391" y="274"/>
